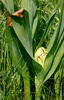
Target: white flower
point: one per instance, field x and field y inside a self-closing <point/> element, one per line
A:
<point x="40" y="55"/>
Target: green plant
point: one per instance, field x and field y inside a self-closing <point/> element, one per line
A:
<point x="20" y="50"/>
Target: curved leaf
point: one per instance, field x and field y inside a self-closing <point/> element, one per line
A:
<point x="56" y="62"/>
<point x="46" y="31"/>
<point x="31" y="8"/>
<point x="19" y="62"/>
<point x="23" y="32"/>
<point x="9" y="5"/>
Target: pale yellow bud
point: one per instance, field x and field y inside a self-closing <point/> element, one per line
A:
<point x="40" y="55"/>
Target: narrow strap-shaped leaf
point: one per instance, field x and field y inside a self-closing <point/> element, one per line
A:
<point x="19" y="62"/>
<point x="47" y="28"/>
<point x="60" y="2"/>
<point x="54" y="44"/>
<point x="57" y="82"/>
<point x="35" y="22"/>
<point x="30" y="6"/>
<point x="55" y="38"/>
<point x="9" y="5"/>
<point x="50" y="59"/>
<point x="56" y="62"/>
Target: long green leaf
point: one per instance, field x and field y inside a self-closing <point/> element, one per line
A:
<point x="19" y="61"/>
<point x="55" y="38"/>
<point x="46" y="31"/>
<point x="31" y="8"/>
<point x="56" y="62"/>
<point x="22" y="29"/>
<point x="55" y="41"/>
<point x="9" y="5"/>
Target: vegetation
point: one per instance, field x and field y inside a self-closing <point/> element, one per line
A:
<point x="21" y="75"/>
